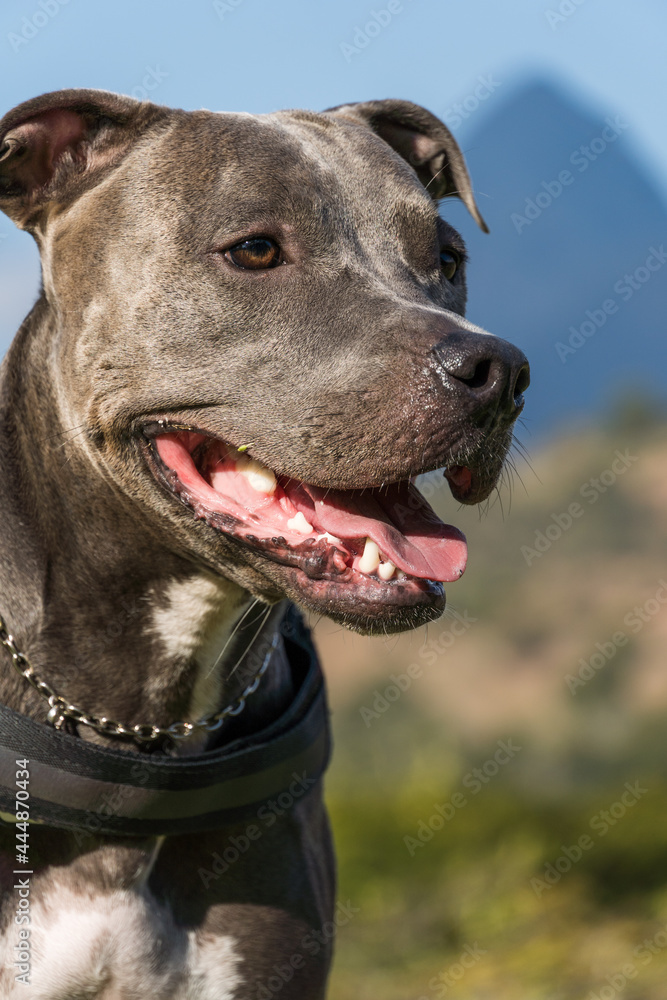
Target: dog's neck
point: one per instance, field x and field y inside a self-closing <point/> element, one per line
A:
<point x="116" y="623"/>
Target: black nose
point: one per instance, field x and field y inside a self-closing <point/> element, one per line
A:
<point x="492" y="373"/>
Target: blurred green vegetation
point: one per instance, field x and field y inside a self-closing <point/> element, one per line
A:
<point x="462" y="915"/>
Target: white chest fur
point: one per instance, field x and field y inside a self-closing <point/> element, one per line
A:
<point x="119" y="945"/>
<point x="194" y="621"/>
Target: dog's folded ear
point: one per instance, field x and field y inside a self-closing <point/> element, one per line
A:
<point x="424" y="141"/>
<point x="55" y="147"/>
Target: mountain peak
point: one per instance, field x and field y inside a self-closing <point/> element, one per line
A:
<point x="574" y="220"/>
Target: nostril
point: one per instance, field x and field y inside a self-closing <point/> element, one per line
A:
<point x="494" y="372"/>
<point x="522" y="381"/>
<point x="480" y="376"/>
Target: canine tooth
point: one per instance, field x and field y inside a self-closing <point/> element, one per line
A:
<point x="386" y="570"/>
<point x="370" y="560"/>
<point x="259" y="476"/>
<point x="299" y="523"/>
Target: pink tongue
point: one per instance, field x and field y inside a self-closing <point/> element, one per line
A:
<point x="399" y="520"/>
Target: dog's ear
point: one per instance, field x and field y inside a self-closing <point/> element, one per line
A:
<point x="424" y="141"/>
<point x="55" y="147"/>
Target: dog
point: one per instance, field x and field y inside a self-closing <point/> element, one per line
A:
<point x="249" y="341"/>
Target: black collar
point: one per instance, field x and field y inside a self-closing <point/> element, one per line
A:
<point x="78" y="785"/>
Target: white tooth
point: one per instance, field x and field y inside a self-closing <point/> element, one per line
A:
<point x="262" y="480"/>
<point x="386" y="570"/>
<point x="371" y="558"/>
<point x="299" y="523"/>
<point x="328" y="538"/>
<point x="259" y="476"/>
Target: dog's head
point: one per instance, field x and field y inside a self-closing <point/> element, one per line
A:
<point x="258" y="319"/>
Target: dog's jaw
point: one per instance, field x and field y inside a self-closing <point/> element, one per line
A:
<point x="375" y="559"/>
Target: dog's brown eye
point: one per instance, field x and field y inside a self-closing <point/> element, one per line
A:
<point x="255" y="255"/>
<point x="449" y="262"/>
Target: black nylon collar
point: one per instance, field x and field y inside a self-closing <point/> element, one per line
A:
<point x="77" y="785"/>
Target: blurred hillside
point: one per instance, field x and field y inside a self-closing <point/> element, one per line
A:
<point x="574" y="217"/>
<point x="560" y="656"/>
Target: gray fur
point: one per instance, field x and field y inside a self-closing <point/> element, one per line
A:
<point x="348" y="370"/>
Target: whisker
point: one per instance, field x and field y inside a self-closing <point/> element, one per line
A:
<point x="63" y="432"/>
<point x="72" y="435"/>
<point x="250" y="644"/>
<point x="233" y="633"/>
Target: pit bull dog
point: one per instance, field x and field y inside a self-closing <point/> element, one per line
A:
<point x="249" y="341"/>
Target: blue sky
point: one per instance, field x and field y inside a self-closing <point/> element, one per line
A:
<point x="259" y="55"/>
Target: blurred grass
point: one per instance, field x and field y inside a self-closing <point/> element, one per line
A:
<point x="469" y="887"/>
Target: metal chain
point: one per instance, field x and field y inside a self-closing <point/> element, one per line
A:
<point x="60" y="709"/>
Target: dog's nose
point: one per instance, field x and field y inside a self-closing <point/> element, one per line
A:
<point x="493" y="373"/>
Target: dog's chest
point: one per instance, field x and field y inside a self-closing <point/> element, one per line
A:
<point x="118" y="945"/>
<point x="96" y="930"/>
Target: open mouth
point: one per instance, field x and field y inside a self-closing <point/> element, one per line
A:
<point x="383" y="545"/>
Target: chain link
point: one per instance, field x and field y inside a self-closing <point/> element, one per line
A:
<point x="60" y="709"/>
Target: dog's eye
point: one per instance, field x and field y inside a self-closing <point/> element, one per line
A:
<point x="257" y="254"/>
<point x="450" y="262"/>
